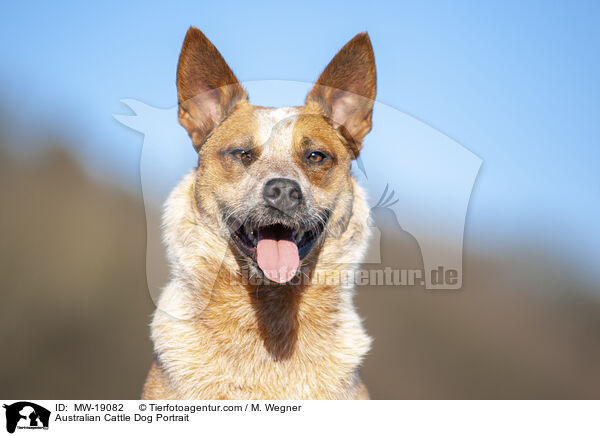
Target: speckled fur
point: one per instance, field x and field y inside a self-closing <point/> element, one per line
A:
<point x="206" y="336"/>
<point x="215" y="335"/>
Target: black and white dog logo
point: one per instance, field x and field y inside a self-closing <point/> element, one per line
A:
<point x="26" y="415"/>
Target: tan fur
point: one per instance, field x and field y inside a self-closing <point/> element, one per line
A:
<point x="215" y="335"/>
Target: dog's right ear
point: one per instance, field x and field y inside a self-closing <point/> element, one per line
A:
<point x="345" y="91"/>
<point x="207" y="89"/>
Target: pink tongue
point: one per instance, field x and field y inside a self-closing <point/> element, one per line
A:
<point x="278" y="260"/>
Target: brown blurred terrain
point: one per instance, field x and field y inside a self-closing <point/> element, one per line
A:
<point x="74" y="305"/>
<point x="518" y="329"/>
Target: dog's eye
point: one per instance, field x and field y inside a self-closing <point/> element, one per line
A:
<point x="242" y="155"/>
<point x="316" y="156"/>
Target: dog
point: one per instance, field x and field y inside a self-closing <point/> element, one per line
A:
<point x="270" y="207"/>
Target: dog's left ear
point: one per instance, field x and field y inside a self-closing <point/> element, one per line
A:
<point x="345" y="91"/>
<point x="207" y="89"/>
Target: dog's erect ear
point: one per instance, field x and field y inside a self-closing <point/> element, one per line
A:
<point x="346" y="90"/>
<point x="207" y="89"/>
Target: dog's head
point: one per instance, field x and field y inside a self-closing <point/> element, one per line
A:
<point x="276" y="182"/>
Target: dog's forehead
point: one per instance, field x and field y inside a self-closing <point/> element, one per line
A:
<point x="275" y="126"/>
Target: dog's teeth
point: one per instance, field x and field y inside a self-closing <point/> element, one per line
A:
<point x="251" y="234"/>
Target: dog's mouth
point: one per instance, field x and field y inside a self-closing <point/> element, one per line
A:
<point x="276" y="248"/>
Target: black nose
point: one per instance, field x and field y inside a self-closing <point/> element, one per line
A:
<point x="283" y="194"/>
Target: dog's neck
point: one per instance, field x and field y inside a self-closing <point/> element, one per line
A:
<point x="218" y="316"/>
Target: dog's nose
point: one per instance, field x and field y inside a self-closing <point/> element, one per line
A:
<point x="283" y="194"/>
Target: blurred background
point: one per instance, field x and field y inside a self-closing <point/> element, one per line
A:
<point x="515" y="83"/>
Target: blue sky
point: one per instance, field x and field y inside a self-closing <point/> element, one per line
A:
<point x="514" y="82"/>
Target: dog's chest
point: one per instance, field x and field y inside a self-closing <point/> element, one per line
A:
<point x="208" y="364"/>
<point x="298" y="378"/>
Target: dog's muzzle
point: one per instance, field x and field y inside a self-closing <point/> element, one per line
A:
<point x="283" y="194"/>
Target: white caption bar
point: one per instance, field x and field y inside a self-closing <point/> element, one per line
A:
<point x="302" y="417"/>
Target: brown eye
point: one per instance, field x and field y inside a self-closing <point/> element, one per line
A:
<point x="316" y="157"/>
<point x="242" y="155"/>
